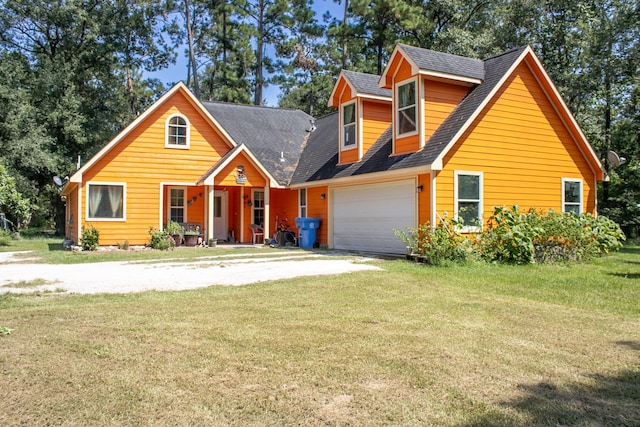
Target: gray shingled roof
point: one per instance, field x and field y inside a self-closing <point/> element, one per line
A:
<point x="266" y="132"/>
<point x="319" y="158"/>
<point x="366" y="84"/>
<point x="447" y="63"/>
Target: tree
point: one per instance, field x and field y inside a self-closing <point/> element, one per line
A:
<point x="12" y="203"/>
<point x="71" y="81"/>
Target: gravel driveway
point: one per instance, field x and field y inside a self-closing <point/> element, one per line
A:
<point x="18" y="276"/>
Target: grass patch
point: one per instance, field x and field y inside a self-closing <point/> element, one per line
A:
<point x="410" y="345"/>
<point x="24" y="284"/>
<point x="50" y="251"/>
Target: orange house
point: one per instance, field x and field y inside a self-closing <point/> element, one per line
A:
<point x="436" y="134"/>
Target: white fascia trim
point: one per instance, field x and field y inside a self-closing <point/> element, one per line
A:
<point x="365" y="178"/>
<point x="476" y="113"/>
<point x="382" y="81"/>
<point x="334" y="92"/>
<point x="272" y="182"/>
<point x="368" y="96"/>
<point x="396" y="51"/>
<point x="448" y="76"/>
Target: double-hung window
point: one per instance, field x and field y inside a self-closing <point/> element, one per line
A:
<point x="468" y="199"/>
<point x="349" y="125"/>
<point x="106" y="201"/>
<point x="177" y="132"/>
<point x="302" y="199"/>
<point x="177" y="202"/>
<point x="572" y="195"/>
<point x="406" y="108"/>
<point x="258" y="207"/>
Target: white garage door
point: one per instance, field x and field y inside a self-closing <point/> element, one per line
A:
<point x="365" y="216"/>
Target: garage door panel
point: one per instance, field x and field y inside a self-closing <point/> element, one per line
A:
<point x="364" y="217"/>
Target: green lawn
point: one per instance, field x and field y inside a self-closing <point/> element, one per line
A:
<point x="410" y="345"/>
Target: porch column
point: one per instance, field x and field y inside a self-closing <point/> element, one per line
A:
<point x="210" y="211"/>
<point x="267" y="210"/>
<point x="240" y="238"/>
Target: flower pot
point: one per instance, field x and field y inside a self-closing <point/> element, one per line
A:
<point x="177" y="238"/>
<point x="190" y="239"/>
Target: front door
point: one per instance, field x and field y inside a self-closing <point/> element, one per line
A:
<point x="220" y="210"/>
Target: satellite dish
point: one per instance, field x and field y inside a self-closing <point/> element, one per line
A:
<point x="615" y="160"/>
<point x="57" y="180"/>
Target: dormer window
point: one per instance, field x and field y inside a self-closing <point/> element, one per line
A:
<point x="349" y="125"/>
<point x="406" y="108"/>
<point x="177" y="132"/>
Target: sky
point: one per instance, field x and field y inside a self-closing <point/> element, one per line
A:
<point x="178" y="71"/>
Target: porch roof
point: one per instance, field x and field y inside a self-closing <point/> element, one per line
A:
<point x="275" y="136"/>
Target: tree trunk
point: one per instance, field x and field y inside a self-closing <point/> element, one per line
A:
<point x="259" y="56"/>
<point x="192" y="58"/>
<point x="345" y="22"/>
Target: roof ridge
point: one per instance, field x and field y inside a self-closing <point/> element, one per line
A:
<point x="507" y="52"/>
<point x="266" y="107"/>
<point x="362" y="72"/>
<point x="439" y="52"/>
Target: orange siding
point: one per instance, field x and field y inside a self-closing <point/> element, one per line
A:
<point x="440" y="100"/>
<point x="424" y="199"/>
<point x="349" y="156"/>
<point x="142" y="159"/>
<point x="376" y="118"/>
<point x="523" y="149"/>
<point x="318" y="208"/>
<point x="407" y="144"/>
<point x="403" y="72"/>
<point x="228" y="175"/>
<point x="72" y="220"/>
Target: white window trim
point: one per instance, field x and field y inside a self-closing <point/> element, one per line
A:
<point x="306" y="204"/>
<point x="355" y="145"/>
<point x="124" y="201"/>
<point x="469" y="228"/>
<point x="166" y="133"/>
<point x="264" y="203"/>
<point x="581" y="202"/>
<point x="184" y="201"/>
<point x="396" y="111"/>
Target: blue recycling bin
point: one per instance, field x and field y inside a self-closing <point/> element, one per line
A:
<point x="307" y="228"/>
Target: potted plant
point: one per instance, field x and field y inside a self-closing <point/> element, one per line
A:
<point x="176" y="231"/>
<point x="191" y="237"/>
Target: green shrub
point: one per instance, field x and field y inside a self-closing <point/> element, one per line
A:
<point x="437" y="245"/>
<point x="174" y="228"/>
<point x="124" y="246"/>
<point x="160" y="239"/>
<point x="509" y="237"/>
<point x="519" y="238"/>
<point x="90" y="238"/>
<point x="5" y="238"/>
